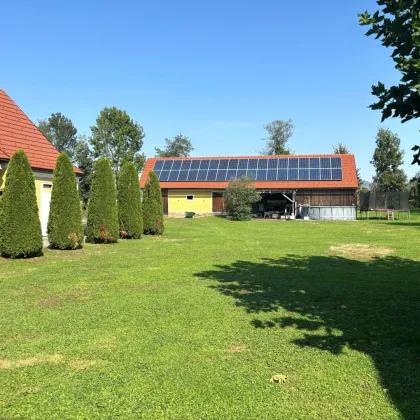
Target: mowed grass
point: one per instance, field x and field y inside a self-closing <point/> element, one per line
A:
<point x="192" y="325"/>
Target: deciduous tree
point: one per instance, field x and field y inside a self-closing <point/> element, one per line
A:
<point x="239" y="197"/>
<point x="341" y="149"/>
<point x="118" y="138"/>
<point x="279" y="133"/>
<point x="61" y="132"/>
<point x="387" y="160"/>
<point x="178" y="146"/>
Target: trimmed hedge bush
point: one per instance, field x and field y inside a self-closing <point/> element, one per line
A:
<point x="152" y="206"/>
<point x="65" y="228"/>
<point x="130" y="213"/>
<point x="102" y="220"/>
<point x="20" y="227"/>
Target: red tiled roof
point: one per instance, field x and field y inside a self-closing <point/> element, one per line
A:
<point x="348" y="164"/>
<point x="17" y="131"/>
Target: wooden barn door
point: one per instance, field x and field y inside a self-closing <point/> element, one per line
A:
<point x="165" y="202"/>
<point x="218" y="203"/>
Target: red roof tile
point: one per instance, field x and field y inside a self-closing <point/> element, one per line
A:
<point x="17" y="131"/>
<point x="348" y="164"/>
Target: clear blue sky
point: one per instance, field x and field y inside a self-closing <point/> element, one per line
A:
<point x="213" y="70"/>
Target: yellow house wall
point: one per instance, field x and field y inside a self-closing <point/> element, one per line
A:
<point x="2" y="177"/>
<point x="178" y="203"/>
<point x="39" y="180"/>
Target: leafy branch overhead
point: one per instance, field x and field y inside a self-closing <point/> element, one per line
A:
<point x="397" y="25"/>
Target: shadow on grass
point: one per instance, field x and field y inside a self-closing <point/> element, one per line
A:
<point x="375" y="306"/>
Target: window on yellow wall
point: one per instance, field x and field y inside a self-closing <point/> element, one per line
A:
<point x="190" y="197"/>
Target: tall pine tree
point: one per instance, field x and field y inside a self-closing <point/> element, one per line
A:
<point x="65" y="229"/>
<point x="130" y="213"/>
<point x="152" y="206"/>
<point x="20" y="227"/>
<point x="102" y="221"/>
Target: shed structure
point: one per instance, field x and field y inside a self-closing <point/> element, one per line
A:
<point x="313" y="186"/>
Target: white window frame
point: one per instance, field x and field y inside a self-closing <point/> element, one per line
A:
<point x="189" y="195"/>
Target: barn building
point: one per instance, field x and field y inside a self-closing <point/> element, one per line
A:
<point x="315" y="186"/>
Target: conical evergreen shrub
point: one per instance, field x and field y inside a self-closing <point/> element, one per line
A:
<point x="130" y="213"/>
<point x="65" y="229"/>
<point x="152" y="206"/>
<point x="20" y="227"/>
<point x="102" y="220"/>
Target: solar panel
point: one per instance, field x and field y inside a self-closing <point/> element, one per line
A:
<point x="293" y="163"/>
<point x="177" y="165"/>
<point x="211" y="175"/>
<point x="223" y="164"/>
<point x="173" y="176"/>
<point x="325" y="174"/>
<point x="164" y="175"/>
<point x="315" y="174"/>
<point x="262" y="163"/>
<point x="252" y="163"/>
<point x="303" y="163"/>
<point x="272" y="163"/>
<point x="262" y="175"/>
<point x="202" y="175"/>
<point x="186" y="164"/>
<point x="221" y="175"/>
<point x="167" y="165"/>
<point x="260" y="169"/>
<point x="195" y="164"/>
<point x="233" y="164"/>
<point x="192" y="175"/>
<point x="214" y="164"/>
<point x="204" y="164"/>
<point x="158" y="165"/>
<point x="303" y="174"/>
<point x="183" y="175"/>
<point x="314" y="163"/>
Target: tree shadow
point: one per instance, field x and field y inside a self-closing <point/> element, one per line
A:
<point x="375" y="306"/>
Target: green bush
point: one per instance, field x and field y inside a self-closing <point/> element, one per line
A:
<point x="65" y="228"/>
<point x="20" y="227"/>
<point x="152" y="206"/>
<point x="130" y="213"/>
<point x="102" y="220"/>
<point x="239" y="196"/>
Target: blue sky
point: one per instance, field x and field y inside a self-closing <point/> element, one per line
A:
<point x="216" y="71"/>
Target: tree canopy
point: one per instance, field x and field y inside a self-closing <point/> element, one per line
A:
<point x="83" y="158"/>
<point x="153" y="223"/>
<point x="61" y="132"/>
<point x="279" y="133"/>
<point x="397" y="25"/>
<point x="239" y="197"/>
<point x="130" y="213"/>
<point x="118" y="138"/>
<point x="20" y="227"/>
<point x="387" y="159"/>
<point x="178" y="146"/>
<point x="341" y="149"/>
<point x="65" y="229"/>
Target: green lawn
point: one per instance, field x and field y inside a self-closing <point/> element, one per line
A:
<point x="194" y="324"/>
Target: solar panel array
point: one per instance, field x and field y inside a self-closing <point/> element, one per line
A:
<point x="259" y="169"/>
